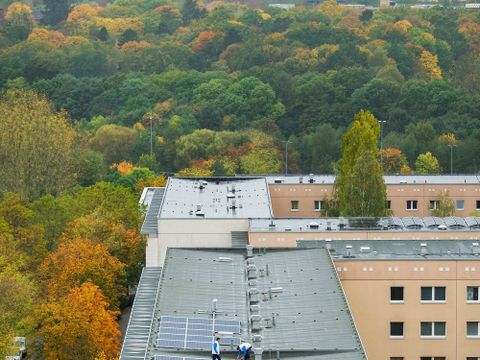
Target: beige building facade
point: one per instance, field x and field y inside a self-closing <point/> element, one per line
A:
<point x="304" y="197"/>
<point x="395" y="322"/>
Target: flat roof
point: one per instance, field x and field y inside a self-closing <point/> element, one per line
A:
<point x="389" y="179"/>
<point x="451" y="223"/>
<point x="287" y="300"/>
<point x="152" y="199"/>
<point x="215" y="198"/>
<point x="397" y="249"/>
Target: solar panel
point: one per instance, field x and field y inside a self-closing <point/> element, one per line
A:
<point x="194" y="333"/>
<point x="169" y="357"/>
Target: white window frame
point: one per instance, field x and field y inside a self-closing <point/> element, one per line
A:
<point x="478" y="330"/>
<point x="435" y="204"/>
<point x="412" y="202"/>
<point x="478" y="295"/>
<point x="397" y="301"/>
<point x="320" y="205"/>
<point x="291" y="205"/>
<point x="463" y="204"/>
<point x="433" y="336"/>
<point x="397" y="336"/>
<point x="433" y="301"/>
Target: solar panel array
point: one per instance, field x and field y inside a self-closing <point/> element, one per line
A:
<point x="195" y="334"/>
<point x="431" y="223"/>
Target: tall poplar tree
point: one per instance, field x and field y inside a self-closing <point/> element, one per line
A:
<point x="360" y="186"/>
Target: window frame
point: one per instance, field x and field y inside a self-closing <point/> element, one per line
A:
<point x="477" y="204"/>
<point x="433" y="326"/>
<point x="320" y="205"/>
<point x="397" y="336"/>
<point x="403" y="295"/>
<point x="456" y="204"/>
<point x="414" y="205"/>
<point x="296" y="207"/>
<point x="478" y="330"/>
<point x="435" y="204"/>
<point x="433" y="300"/>
<point x="478" y="295"/>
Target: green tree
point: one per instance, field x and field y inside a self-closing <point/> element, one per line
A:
<point x="35" y="145"/>
<point x="192" y="11"/>
<point x="128" y="35"/>
<point x="445" y="205"/>
<point x="19" y="21"/>
<point x="56" y="11"/>
<point x="114" y="142"/>
<point x="427" y="164"/>
<point x="359" y="168"/>
<point x="365" y="188"/>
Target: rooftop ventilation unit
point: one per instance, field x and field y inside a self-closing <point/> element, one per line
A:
<point x="203" y="185"/>
<point x="314" y="225"/>
<point x="230" y="195"/>
<point x="255" y="321"/>
<point x="250" y="261"/>
<point x="233" y="188"/>
<point x="271" y="225"/>
<point x="251" y="272"/>
<point x="257" y="339"/>
<point x="249" y="251"/>
<point x="403" y="182"/>
<point x="268" y="322"/>
<point x="475" y="248"/>
<point x="224" y="259"/>
<point x="278" y="181"/>
<point x="423" y="249"/>
<point x="253" y="296"/>
<point x="254" y="308"/>
<point x="349" y="250"/>
<point x="276" y="290"/>
<point x="300" y="180"/>
<point x="365" y="249"/>
<point x="252" y="283"/>
<point x="311" y="180"/>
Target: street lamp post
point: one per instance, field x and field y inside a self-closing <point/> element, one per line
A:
<point x="286" y="156"/>
<point x="150" y="119"/>
<point x="381" y="140"/>
<point x="451" y="146"/>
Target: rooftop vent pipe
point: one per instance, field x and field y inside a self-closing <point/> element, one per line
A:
<point x="423" y="249"/>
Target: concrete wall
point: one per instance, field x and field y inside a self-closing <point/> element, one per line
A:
<point x="191" y="233"/>
<point x="367" y="286"/>
<point x="282" y="195"/>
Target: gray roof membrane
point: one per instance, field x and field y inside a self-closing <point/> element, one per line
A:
<point x="389" y="179"/>
<point x="150" y="223"/>
<point x="371" y="224"/>
<point x="287" y="301"/>
<point x="216" y="198"/>
<point x="397" y="249"/>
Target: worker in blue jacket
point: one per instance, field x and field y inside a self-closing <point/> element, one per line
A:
<point x="244" y="350"/>
<point x="216" y="349"/>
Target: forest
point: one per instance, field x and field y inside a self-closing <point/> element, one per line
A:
<point x="99" y="99"/>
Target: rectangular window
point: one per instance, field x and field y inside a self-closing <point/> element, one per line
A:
<point x="473" y="329"/>
<point x="396" y="358"/>
<point x="473" y="358"/>
<point x="318" y="205"/>
<point x="430" y="329"/>
<point x="433" y="204"/>
<point x="460" y="204"/>
<point x="396" y="329"/>
<point x="433" y="294"/>
<point x="388" y="205"/>
<point x="396" y="294"/>
<point x="477" y="205"/>
<point x="432" y="358"/>
<point x="411" y="204"/>
<point x="472" y="293"/>
<point x="294" y="205"/>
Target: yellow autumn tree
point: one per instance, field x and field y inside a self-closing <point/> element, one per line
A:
<point x="78" y="326"/>
<point x="78" y="261"/>
<point x="429" y="65"/>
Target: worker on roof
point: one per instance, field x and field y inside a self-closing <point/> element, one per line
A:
<point x="244" y="350"/>
<point x="216" y="349"/>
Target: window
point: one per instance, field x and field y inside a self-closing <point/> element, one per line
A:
<point x="411" y="204"/>
<point x="396" y="329"/>
<point x="432" y="358"/>
<point x="396" y="358"/>
<point x="477" y="206"/>
<point x="473" y="358"/>
<point x="433" y="294"/>
<point x="396" y="294"/>
<point x="472" y="294"/>
<point x="388" y="206"/>
<point x="460" y="204"/>
<point x="473" y="329"/>
<point x="318" y="205"/>
<point x="433" y="204"/>
<point x="430" y="329"/>
<point x="294" y="206"/>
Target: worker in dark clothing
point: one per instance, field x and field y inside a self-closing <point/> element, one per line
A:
<point x="216" y="349"/>
<point x="245" y="349"/>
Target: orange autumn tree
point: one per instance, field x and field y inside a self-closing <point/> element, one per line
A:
<point x="127" y="245"/>
<point x="78" y="261"/>
<point x="393" y="160"/>
<point x="78" y="326"/>
<point x="429" y="65"/>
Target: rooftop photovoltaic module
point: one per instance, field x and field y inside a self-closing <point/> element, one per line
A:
<point x="168" y="357"/>
<point x="196" y="334"/>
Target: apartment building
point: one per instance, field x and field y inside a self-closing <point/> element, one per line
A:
<point x="305" y="196"/>
<point x="410" y="299"/>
